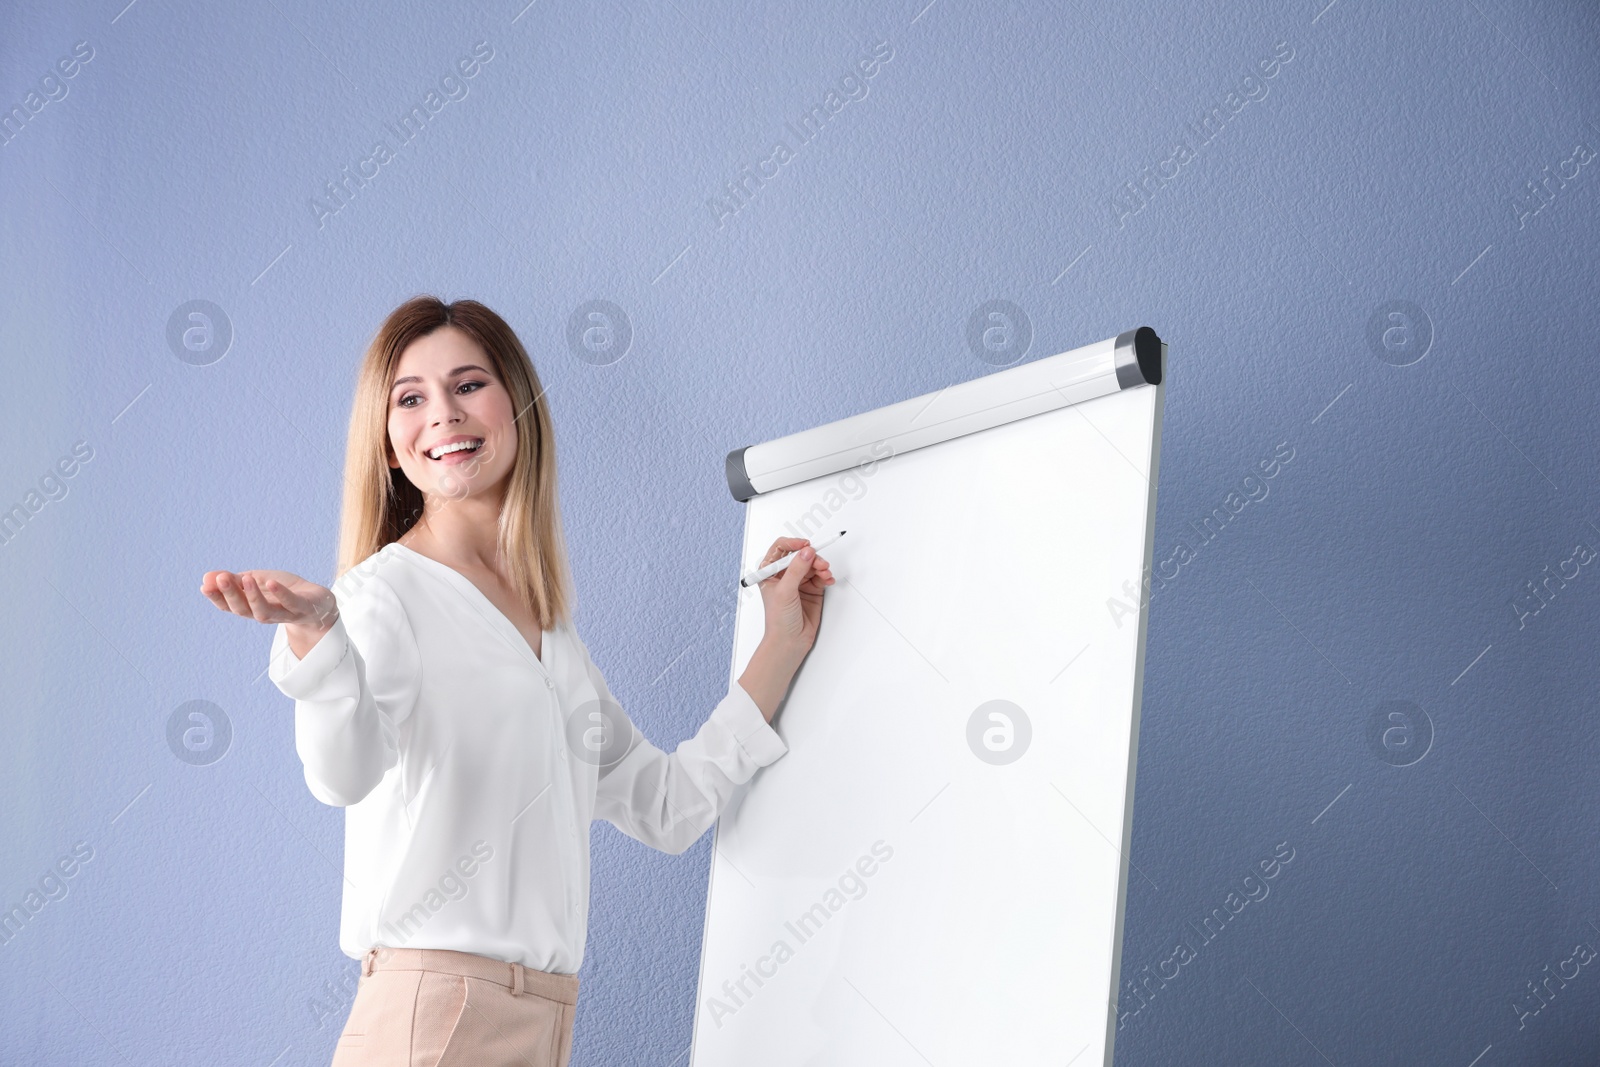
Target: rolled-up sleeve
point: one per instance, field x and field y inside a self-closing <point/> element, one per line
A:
<point x="668" y="800"/>
<point x="351" y="692"/>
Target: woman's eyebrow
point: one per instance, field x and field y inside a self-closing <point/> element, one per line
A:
<point x="452" y="374"/>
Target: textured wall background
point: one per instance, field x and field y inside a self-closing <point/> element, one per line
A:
<point x="1377" y="261"/>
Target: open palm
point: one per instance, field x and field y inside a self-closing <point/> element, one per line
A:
<point x="271" y="597"/>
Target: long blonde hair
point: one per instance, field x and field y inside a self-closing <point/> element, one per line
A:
<point x="380" y="502"/>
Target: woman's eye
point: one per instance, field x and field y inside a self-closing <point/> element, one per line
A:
<point x="418" y="396"/>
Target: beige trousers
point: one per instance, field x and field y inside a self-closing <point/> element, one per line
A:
<point x="438" y="1008"/>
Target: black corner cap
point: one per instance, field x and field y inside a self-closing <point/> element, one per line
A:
<point x="1139" y="357"/>
<point x="738" y="481"/>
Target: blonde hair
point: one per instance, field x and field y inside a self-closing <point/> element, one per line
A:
<point x="380" y="502"/>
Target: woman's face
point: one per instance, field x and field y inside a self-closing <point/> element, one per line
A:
<point x="445" y="391"/>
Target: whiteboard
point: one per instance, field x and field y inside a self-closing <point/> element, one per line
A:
<point x="914" y="882"/>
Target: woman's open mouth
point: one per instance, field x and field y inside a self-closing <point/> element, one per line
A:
<point x="455" y="452"/>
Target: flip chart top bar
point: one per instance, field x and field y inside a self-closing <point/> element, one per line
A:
<point x="1132" y="358"/>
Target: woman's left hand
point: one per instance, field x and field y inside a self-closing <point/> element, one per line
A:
<point x="793" y="598"/>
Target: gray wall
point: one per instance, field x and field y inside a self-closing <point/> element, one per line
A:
<point x="1351" y="264"/>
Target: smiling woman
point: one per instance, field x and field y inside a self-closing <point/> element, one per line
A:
<point x="466" y="357"/>
<point x="443" y="696"/>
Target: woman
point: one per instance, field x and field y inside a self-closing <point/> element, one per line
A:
<point x="444" y="700"/>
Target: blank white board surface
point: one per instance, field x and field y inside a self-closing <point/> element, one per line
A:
<point x="927" y="876"/>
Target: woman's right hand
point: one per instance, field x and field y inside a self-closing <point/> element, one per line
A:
<point x="307" y="608"/>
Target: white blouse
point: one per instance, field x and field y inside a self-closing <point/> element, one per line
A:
<point x="469" y="768"/>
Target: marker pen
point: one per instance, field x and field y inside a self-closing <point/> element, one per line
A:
<point x="762" y="573"/>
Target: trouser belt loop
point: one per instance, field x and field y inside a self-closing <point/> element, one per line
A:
<point x="367" y="960"/>
<point x="516" y="980"/>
